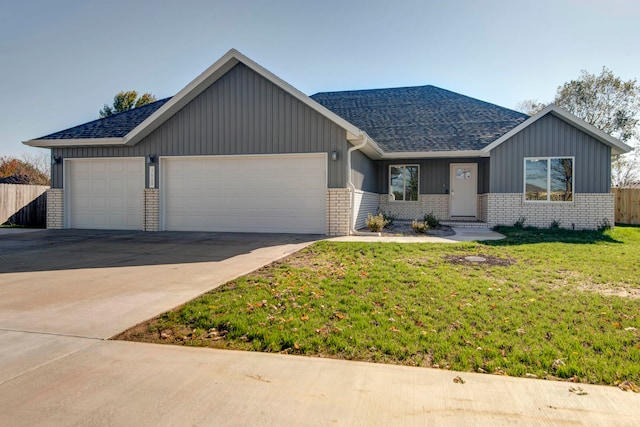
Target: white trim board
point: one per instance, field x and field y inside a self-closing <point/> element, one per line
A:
<point x="618" y="147"/>
<point x="192" y="90"/>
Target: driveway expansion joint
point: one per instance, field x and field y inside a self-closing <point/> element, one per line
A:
<point x="57" y="334"/>
<point x="89" y="343"/>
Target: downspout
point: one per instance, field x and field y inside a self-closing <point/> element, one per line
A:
<point x="352" y="187"/>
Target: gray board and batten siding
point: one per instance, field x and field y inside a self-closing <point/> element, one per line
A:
<point x="434" y="173"/>
<point x="241" y="113"/>
<point x="551" y="137"/>
<point x="363" y="172"/>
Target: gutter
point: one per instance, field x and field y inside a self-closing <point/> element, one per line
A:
<point x="352" y="187"/>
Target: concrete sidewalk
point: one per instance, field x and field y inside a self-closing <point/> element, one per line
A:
<point x="463" y="234"/>
<point x="116" y="383"/>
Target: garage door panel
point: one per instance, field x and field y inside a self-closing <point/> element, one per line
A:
<point x="105" y="193"/>
<point x="249" y="194"/>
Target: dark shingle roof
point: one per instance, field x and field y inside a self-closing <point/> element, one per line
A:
<point x="115" y="126"/>
<point x="422" y="118"/>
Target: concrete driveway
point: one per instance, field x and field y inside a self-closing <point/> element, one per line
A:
<point x="61" y="289"/>
<point x="63" y="292"/>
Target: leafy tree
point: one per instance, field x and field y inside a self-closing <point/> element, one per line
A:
<point x="125" y="101"/>
<point x="608" y="103"/>
<point x="16" y="171"/>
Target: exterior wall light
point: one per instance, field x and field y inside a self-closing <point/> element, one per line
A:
<point x="150" y="159"/>
<point x="334" y="155"/>
<point x="56" y="160"/>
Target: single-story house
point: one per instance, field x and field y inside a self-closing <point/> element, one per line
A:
<point x="238" y="149"/>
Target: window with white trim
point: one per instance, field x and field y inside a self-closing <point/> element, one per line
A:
<point x="403" y="183"/>
<point x="548" y="179"/>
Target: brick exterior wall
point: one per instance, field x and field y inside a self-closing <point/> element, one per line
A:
<point x="587" y="211"/>
<point x="438" y="204"/>
<point x="338" y="211"/>
<point x="151" y="209"/>
<point x="55" y="208"/>
<point x="483" y="201"/>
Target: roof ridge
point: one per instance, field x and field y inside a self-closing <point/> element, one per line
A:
<point x="437" y="88"/>
<point x="374" y="89"/>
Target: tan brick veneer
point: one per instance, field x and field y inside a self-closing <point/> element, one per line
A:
<point x="151" y="209"/>
<point x="55" y="208"/>
<point x="587" y="211"/>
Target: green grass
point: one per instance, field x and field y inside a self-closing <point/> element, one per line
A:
<point x="544" y="304"/>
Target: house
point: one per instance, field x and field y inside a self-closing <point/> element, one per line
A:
<point x="238" y="149"/>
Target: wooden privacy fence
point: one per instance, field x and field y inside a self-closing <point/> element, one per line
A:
<point x="23" y="204"/>
<point x="627" y="205"/>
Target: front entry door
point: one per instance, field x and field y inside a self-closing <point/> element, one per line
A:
<point x="464" y="189"/>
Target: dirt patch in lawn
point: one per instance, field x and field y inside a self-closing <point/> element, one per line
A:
<point x="479" y="259"/>
<point x="608" y="290"/>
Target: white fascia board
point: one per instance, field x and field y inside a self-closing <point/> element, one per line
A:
<point x="618" y="147"/>
<point x="84" y="142"/>
<point x="208" y="77"/>
<point x="433" y="154"/>
<point x="193" y="89"/>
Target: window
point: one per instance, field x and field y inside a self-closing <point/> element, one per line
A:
<point x="403" y="183"/>
<point x="548" y="179"/>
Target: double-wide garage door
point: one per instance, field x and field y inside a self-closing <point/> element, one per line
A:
<point x="105" y="193"/>
<point x="267" y="194"/>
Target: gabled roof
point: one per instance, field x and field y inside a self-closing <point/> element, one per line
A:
<point x="409" y="122"/>
<point x="111" y="133"/>
<point x="617" y="146"/>
<point x="423" y="118"/>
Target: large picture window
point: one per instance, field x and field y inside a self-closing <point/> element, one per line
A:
<point x="548" y="179"/>
<point x="403" y="183"/>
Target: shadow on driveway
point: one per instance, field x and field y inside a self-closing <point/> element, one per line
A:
<point x="47" y="250"/>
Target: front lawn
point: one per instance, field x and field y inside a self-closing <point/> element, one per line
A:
<point x="544" y="303"/>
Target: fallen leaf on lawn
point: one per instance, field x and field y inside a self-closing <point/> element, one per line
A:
<point x="304" y="317"/>
<point x="394" y="329"/>
<point x="630" y="328"/>
<point x="578" y="391"/>
<point x="629" y="386"/>
<point x="528" y="375"/>
<point x="296" y="346"/>
<point x="557" y="363"/>
<point x="458" y="380"/>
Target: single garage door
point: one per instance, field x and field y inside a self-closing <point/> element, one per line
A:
<point x="105" y="193"/>
<point x="264" y="194"/>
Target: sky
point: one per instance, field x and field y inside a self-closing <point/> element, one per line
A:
<point x="61" y="61"/>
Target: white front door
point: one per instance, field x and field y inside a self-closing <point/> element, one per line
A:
<point x="464" y="189"/>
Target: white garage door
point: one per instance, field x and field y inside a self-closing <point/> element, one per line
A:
<point x="105" y="193"/>
<point x="265" y="194"/>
